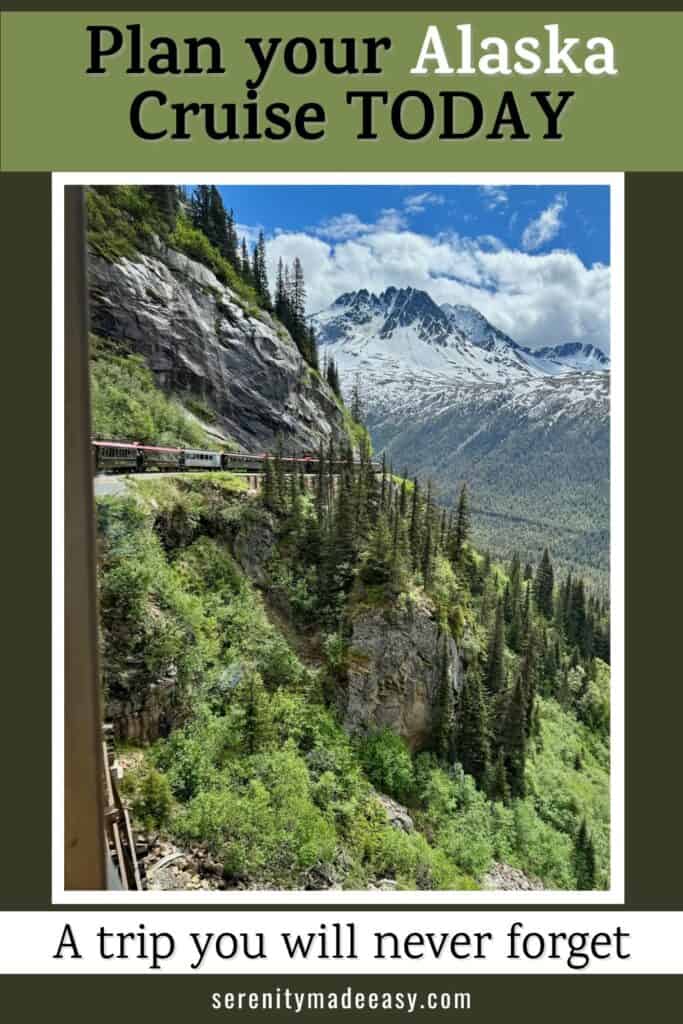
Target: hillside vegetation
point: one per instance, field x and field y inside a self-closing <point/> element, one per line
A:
<point x="234" y="625"/>
<point x="257" y="767"/>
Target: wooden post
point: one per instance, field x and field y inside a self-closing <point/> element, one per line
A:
<point x="84" y="845"/>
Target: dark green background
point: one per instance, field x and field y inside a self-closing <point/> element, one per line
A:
<point x="654" y="693"/>
<point x="654" y="690"/>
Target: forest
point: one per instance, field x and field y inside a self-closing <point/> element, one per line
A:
<point x="253" y="763"/>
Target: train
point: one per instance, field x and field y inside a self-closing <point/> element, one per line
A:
<point x="136" y="457"/>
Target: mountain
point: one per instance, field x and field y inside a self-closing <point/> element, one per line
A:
<point x="211" y="345"/>
<point x="475" y="327"/>
<point x="574" y="354"/>
<point x="448" y="394"/>
<point x="277" y="661"/>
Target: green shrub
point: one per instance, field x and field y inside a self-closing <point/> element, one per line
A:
<point x="388" y="764"/>
<point x="269" y="828"/>
<point x="126" y="403"/>
<point x="152" y="802"/>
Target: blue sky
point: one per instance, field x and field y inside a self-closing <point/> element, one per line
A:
<point x="503" y="213"/>
<point x="534" y="259"/>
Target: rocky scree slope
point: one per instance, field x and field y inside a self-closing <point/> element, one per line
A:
<point x="201" y="342"/>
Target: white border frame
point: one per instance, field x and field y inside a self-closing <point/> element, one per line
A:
<point x="218" y="898"/>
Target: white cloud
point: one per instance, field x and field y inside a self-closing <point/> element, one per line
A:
<point x="419" y="202"/>
<point x="390" y="220"/>
<point x="348" y="225"/>
<point x="494" y="196"/>
<point x="345" y="225"/>
<point x="538" y="299"/>
<point x="248" y="231"/>
<point x="546" y="226"/>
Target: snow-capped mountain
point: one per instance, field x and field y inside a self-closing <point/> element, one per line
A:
<point x="475" y="327"/>
<point x="574" y="354"/>
<point x="449" y="394"/>
<point x="403" y="328"/>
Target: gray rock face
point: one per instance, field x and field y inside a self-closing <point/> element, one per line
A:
<point x="505" y="878"/>
<point x="396" y="813"/>
<point x="198" y="339"/>
<point x="393" y="676"/>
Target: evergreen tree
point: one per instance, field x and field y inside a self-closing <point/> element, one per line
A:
<point x="259" y="272"/>
<point x="332" y="377"/>
<point x="377" y="569"/>
<point x="245" y="265"/>
<point x="280" y="293"/>
<point x="428" y="555"/>
<point x="514" y="738"/>
<point x="544" y="586"/>
<point x="500" y="788"/>
<point x="461" y="529"/>
<point x="357" y="410"/>
<point x="199" y="208"/>
<point x="312" y="350"/>
<point x="167" y="200"/>
<point x="496" y="680"/>
<point x="254" y="706"/>
<point x="215" y="221"/>
<point x="472" y="735"/>
<point x="584" y="859"/>
<point x="231" y="247"/>
<point x="443" y="732"/>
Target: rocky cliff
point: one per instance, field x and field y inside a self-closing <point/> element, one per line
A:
<point x="393" y="676"/>
<point x="202" y="342"/>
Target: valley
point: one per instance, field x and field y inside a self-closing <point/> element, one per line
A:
<point x="449" y="396"/>
<point x="325" y="682"/>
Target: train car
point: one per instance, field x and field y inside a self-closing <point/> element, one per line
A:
<point x="196" y="459"/>
<point x="242" y="462"/>
<point x="154" y="457"/>
<point x="116" y="457"/>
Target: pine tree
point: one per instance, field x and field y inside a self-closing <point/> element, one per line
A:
<point x="544" y="586"/>
<point x="231" y="248"/>
<point x="167" y="200"/>
<point x="514" y="604"/>
<point x="199" y="208"/>
<point x="332" y="377"/>
<point x="528" y="681"/>
<point x="415" y="525"/>
<point x="443" y="731"/>
<point x="312" y="348"/>
<point x="428" y="556"/>
<point x="584" y="859"/>
<point x="403" y="495"/>
<point x="357" y="410"/>
<point x="383" y="483"/>
<point x="500" y="789"/>
<point x="259" y="272"/>
<point x="280" y="293"/>
<point x="254" y="706"/>
<point x="461" y="529"/>
<point x="215" y="221"/>
<point x="514" y="738"/>
<point x="245" y="265"/>
<point x="472" y="734"/>
<point x="377" y="569"/>
<point x="496" y="680"/>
